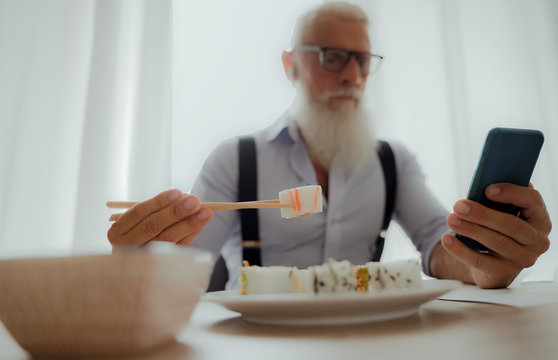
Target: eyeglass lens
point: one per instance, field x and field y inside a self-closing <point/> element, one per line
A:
<point x="335" y="60"/>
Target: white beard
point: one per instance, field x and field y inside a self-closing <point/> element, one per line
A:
<point x="343" y="134"/>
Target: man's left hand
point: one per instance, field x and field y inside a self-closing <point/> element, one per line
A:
<point x="514" y="243"/>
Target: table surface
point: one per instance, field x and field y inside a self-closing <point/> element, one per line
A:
<point x="440" y="330"/>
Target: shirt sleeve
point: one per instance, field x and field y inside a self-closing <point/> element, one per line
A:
<point x="218" y="182"/>
<point x="419" y="213"/>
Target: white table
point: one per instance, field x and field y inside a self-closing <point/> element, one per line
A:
<point x="441" y="330"/>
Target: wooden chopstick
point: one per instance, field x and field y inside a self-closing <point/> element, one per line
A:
<point x="120" y="204"/>
<point x="215" y="206"/>
<point x="266" y="204"/>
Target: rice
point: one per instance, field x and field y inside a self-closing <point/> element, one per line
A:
<point x="266" y="280"/>
<point x="394" y="275"/>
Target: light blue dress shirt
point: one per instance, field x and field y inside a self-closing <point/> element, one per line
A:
<point x="348" y="227"/>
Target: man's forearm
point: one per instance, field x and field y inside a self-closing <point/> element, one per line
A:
<point x="445" y="266"/>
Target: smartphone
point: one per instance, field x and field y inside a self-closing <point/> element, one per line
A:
<point x="508" y="156"/>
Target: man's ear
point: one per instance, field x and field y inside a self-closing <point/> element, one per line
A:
<point x="288" y="65"/>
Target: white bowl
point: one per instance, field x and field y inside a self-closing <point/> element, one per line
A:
<point x="103" y="304"/>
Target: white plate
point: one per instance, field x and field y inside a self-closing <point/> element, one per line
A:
<point x="330" y="309"/>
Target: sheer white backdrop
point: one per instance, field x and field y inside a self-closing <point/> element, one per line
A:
<point x="85" y="97"/>
<point x="85" y="116"/>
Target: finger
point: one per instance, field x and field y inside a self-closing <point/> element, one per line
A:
<point x="538" y="214"/>
<point x="501" y="245"/>
<point x="186" y="229"/>
<point x="154" y="224"/>
<point x="477" y="260"/>
<point x="526" y="198"/>
<point x="498" y="221"/>
<point x="140" y="211"/>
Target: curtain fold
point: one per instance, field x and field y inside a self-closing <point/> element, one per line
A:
<point x="45" y="48"/>
<point x="125" y="152"/>
<point x="85" y="111"/>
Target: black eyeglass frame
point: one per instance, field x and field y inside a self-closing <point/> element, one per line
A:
<point x="321" y="55"/>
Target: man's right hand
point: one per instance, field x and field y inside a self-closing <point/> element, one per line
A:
<point x="170" y="216"/>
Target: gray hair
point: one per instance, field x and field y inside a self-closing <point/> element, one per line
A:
<point x="340" y="8"/>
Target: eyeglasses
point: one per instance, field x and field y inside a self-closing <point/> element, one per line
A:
<point x="335" y="60"/>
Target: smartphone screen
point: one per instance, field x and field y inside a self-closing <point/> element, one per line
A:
<point x="508" y="156"/>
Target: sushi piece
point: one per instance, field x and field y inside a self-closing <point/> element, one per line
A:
<point x="333" y="277"/>
<point x="305" y="200"/>
<point x="265" y="280"/>
<point x="394" y="275"/>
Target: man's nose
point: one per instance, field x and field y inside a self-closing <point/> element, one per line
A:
<point x="351" y="74"/>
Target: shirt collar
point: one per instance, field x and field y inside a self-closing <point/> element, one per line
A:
<point x="284" y="127"/>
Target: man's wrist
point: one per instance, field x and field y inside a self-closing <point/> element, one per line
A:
<point x="444" y="266"/>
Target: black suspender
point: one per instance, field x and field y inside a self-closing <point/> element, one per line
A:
<point x="248" y="190"/>
<point x="249" y="224"/>
<point x="390" y="177"/>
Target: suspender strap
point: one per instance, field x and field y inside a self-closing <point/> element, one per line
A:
<point x="248" y="191"/>
<point x="390" y="177"/>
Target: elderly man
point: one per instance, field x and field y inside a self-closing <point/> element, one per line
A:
<point x="325" y="139"/>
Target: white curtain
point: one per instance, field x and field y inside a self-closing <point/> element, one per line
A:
<point x="85" y="117"/>
<point x="85" y="98"/>
<point x="453" y="69"/>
